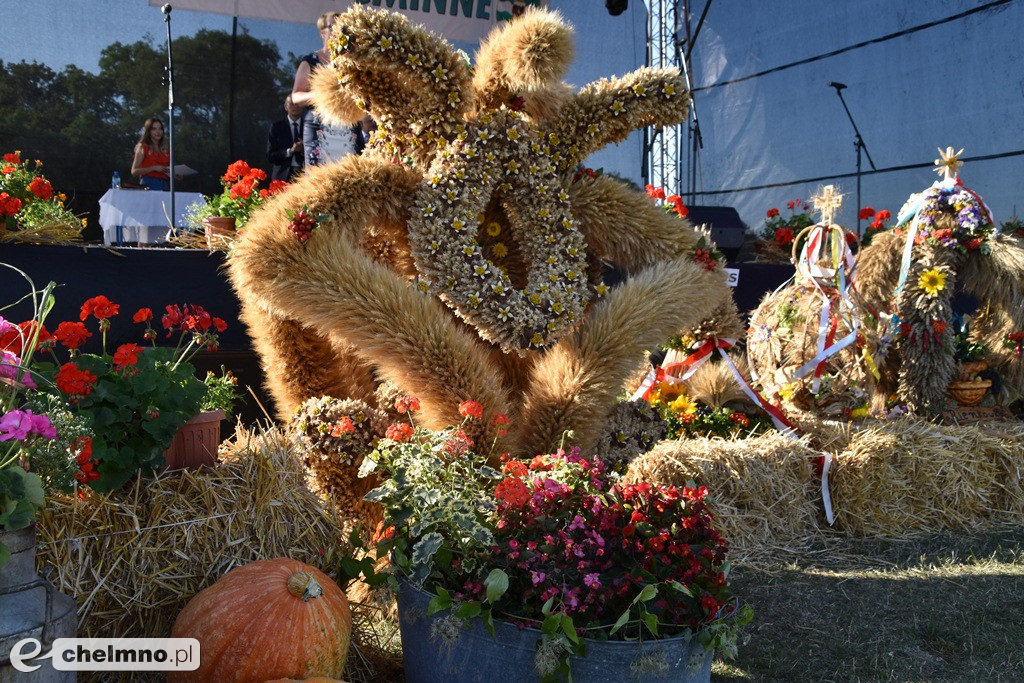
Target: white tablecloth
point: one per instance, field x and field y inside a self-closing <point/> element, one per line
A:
<point x="142" y="215"/>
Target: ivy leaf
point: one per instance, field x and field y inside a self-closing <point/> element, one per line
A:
<point x="551" y="624"/>
<point x="496" y="584"/>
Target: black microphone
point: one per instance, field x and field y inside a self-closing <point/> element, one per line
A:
<point x="166" y="9"/>
<point x="836" y="85"/>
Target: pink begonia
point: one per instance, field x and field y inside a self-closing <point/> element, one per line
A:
<point x="18" y="424"/>
<point x="5" y="326"/>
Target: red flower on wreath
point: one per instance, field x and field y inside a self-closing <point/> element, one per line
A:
<point x="471" y="409"/>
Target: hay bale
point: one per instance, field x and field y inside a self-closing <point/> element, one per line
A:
<point x="763" y="490"/>
<point x="900" y="477"/>
<point x="133" y="558"/>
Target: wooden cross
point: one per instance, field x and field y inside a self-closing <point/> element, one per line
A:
<point x="827" y="203"/>
<point x="948" y="163"/>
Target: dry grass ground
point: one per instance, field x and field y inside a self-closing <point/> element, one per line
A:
<point x="941" y="607"/>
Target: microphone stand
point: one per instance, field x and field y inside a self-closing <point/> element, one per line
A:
<point x="166" y="9"/>
<point x="698" y="141"/>
<point x="859" y="144"/>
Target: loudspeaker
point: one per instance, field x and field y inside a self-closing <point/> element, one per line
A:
<point x="727" y="229"/>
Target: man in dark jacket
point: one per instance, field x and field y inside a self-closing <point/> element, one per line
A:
<point x="284" y="143"/>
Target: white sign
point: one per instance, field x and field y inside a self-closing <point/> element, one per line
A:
<point x="466" y="21"/>
<point x="108" y="654"/>
<point x="733" y="277"/>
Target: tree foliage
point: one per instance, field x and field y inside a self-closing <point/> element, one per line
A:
<point x="84" y="126"/>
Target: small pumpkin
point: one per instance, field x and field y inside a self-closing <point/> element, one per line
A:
<point x="268" y="619"/>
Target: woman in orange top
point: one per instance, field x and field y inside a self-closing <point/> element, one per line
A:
<point x="152" y="158"/>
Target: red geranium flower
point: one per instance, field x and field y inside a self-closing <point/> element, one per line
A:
<point x="513" y="492"/>
<point x="12" y="158"/>
<point x="126" y="355"/>
<point x="71" y="334"/>
<point x="172" y="318"/>
<point x="471" y="409"/>
<point x="400" y="431"/>
<point x="100" y="307"/>
<point x="517" y="468"/>
<point x="343" y="425"/>
<point x="866" y="212"/>
<point x="655" y="192"/>
<point x="142" y="315"/>
<point x="773" y="212"/>
<point x="8" y="169"/>
<point x="784" y="236"/>
<point x="73" y="381"/>
<point x="41" y="188"/>
<point x="9" y="206"/>
<point x="237" y="170"/>
<point x="883" y="215"/>
<point x="14" y="338"/>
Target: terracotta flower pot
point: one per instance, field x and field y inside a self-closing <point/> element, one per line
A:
<point x="220" y="230"/>
<point x="195" y="444"/>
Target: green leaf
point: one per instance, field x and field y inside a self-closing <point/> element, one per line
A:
<point x="546" y="607"/>
<point x="350" y="568"/>
<point x="569" y="628"/>
<point x="441" y="601"/>
<point x="620" y="622"/>
<point x="680" y="588"/>
<point x="647" y="594"/>
<point x="5" y="554"/>
<point x="551" y="624"/>
<point x="652" y="623"/>
<point x="496" y="584"/>
<point x="468" y="610"/>
<point x="487" y="618"/>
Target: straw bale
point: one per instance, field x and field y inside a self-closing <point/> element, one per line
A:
<point x="763" y="490"/>
<point x="133" y="558"/>
<point x="901" y="477"/>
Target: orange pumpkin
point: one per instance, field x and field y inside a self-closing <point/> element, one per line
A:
<point x="268" y="619"/>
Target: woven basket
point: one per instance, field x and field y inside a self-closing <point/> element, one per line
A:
<point x="968" y="393"/>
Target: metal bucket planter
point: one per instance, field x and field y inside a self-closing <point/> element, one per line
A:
<point x="439" y="647"/>
<point x="30" y="607"/>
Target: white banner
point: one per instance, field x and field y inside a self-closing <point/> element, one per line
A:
<point x="466" y="21"/>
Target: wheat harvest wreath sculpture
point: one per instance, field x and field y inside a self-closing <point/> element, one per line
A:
<point x="461" y="252"/>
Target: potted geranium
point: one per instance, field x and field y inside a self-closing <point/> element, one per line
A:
<point x="776" y="239"/>
<point x="134" y="399"/>
<point x="30" y="209"/>
<point x="545" y="569"/>
<point x="228" y="211"/>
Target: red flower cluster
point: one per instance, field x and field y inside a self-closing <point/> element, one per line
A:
<point x="12" y="158"/>
<point x="400" y="431"/>
<point x="126" y="355"/>
<point x="15" y="338"/>
<point x="86" y="465"/>
<point x="41" y="188"/>
<point x="74" y="382"/>
<point x="407" y="404"/>
<point x="191" y="318"/>
<point x="9" y="205"/>
<point x="471" y="409"/>
<point x="673" y="203"/>
<point x="71" y="334"/>
<point x="100" y="307"/>
<point x="784" y="236"/>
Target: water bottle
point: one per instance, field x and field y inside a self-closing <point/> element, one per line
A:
<point x="115" y="182"/>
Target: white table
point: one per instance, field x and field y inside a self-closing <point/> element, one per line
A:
<point x="141" y="215"/>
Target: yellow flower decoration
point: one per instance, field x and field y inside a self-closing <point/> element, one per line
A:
<point x="683" y="405"/>
<point x="670" y="391"/>
<point x="493" y="229"/>
<point x="932" y="281"/>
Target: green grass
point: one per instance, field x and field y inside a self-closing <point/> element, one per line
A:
<point x="946" y="607"/>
